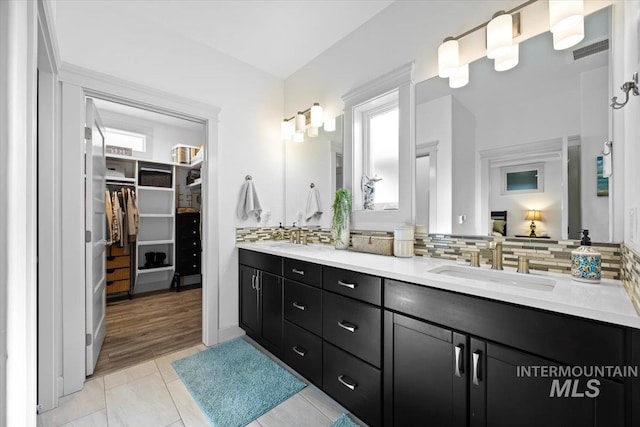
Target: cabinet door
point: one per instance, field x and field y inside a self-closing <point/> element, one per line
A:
<point x="503" y="398"/>
<point x="249" y="301"/>
<point x="270" y="288"/>
<point x="425" y="373"/>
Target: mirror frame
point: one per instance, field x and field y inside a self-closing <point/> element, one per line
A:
<point x="400" y="79"/>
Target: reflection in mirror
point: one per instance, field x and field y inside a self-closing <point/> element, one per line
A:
<point x="317" y="160"/>
<point x="523" y="139"/>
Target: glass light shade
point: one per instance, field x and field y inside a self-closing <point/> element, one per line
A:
<point x="298" y="137"/>
<point x="300" y="122"/>
<point x="499" y="36"/>
<point x="329" y="124"/>
<point x="286" y="129"/>
<point x="562" y="14"/>
<point x="312" y="131"/>
<point x="448" y="58"/>
<point x="459" y="77"/>
<point x="570" y="37"/>
<point x="508" y="60"/>
<point x="316" y="115"/>
<point x="533" y="215"/>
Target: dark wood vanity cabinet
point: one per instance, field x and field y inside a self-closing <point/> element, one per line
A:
<point x="261" y="293"/>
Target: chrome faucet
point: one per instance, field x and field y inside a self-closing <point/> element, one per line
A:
<point x="278" y="234"/>
<point x="295" y="234"/>
<point x="496" y="255"/>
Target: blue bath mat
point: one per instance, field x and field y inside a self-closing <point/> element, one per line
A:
<point x="343" y="421"/>
<point x="234" y="383"/>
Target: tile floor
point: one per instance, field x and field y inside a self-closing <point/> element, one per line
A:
<point x="151" y="394"/>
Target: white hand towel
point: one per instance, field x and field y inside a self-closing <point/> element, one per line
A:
<point x="249" y="202"/>
<point x="313" y="204"/>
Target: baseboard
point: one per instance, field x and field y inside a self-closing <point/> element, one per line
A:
<point x="229" y="333"/>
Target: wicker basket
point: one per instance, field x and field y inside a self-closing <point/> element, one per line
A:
<point x="381" y="245"/>
<point x="151" y="177"/>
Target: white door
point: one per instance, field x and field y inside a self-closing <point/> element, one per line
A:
<point x="95" y="222"/>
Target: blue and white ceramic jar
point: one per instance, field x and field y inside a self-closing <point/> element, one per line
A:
<point x="586" y="265"/>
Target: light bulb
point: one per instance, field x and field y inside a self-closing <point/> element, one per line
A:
<point x="448" y="57"/>
<point x="459" y="77"/>
<point x="316" y="115"/>
<point x="499" y="36"/>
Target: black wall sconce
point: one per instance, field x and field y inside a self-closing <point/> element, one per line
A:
<point x="630" y="86"/>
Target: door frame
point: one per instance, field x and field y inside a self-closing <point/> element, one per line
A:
<point x="77" y="83"/>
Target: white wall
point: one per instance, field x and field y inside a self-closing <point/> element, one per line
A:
<point x="251" y="103"/>
<point x="463" y="159"/>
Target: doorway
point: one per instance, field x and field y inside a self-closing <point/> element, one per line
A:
<point x="152" y="187"/>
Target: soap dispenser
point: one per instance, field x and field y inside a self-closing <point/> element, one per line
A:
<point x="586" y="263"/>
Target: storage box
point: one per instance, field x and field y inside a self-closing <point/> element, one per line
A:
<point x="381" y="245"/>
<point x="152" y="177"/>
<point x="183" y="154"/>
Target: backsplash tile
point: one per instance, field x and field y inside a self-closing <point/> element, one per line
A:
<point x="631" y="275"/>
<point x="544" y="255"/>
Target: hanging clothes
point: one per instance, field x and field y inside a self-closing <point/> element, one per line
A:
<point x="132" y="214"/>
<point x="109" y="212"/>
<point x="123" y="217"/>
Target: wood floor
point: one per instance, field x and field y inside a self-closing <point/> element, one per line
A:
<point x="146" y="327"/>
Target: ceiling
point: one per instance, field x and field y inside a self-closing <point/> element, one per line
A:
<point x="277" y="37"/>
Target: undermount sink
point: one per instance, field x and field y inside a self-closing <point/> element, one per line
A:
<point x="495" y="276"/>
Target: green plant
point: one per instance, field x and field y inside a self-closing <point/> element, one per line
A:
<point x="341" y="210"/>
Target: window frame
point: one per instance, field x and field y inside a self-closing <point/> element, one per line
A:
<point x="505" y="170"/>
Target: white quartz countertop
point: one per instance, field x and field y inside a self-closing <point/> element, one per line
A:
<point x="606" y="301"/>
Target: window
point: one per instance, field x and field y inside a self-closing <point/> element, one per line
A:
<point x="126" y="139"/>
<point x="522" y="179"/>
<point x="379" y="140"/>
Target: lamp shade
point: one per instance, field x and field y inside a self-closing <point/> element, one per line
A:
<point x="329" y="124"/>
<point x="533" y="215"/>
<point x="316" y="115"/>
<point x="298" y="137"/>
<point x="448" y="57"/>
<point x="286" y="129"/>
<point x="459" y="77"/>
<point x="508" y="60"/>
<point x="499" y="36"/>
<point x="300" y="122"/>
<point x="312" y="131"/>
<point x="566" y="21"/>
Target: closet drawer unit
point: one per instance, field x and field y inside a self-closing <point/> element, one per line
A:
<point x="115" y="250"/>
<point x="352" y="284"/>
<point x="303" y="352"/>
<point x="118" y="261"/>
<point x="353" y="326"/>
<point x="185" y="234"/>
<point x="189" y="244"/>
<point x="189" y="265"/>
<point x="304" y="272"/>
<point x="352" y="383"/>
<point x="118" y="286"/>
<point x="303" y="306"/>
<point x="114" y="274"/>
<point x="188" y="222"/>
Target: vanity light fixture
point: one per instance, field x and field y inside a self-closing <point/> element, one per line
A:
<point x="509" y="60"/>
<point x="533" y="215"/>
<point x="329" y="124"/>
<point x="499" y="35"/>
<point x="298" y="137"/>
<point x="316" y="115"/>
<point x="286" y="129"/>
<point x="448" y="57"/>
<point x="459" y="77"/>
<point x="312" y="131"/>
<point x="566" y="22"/>
<point x="301" y="124"/>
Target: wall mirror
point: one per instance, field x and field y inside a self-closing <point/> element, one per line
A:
<point x="525" y="139"/>
<point x="316" y="161"/>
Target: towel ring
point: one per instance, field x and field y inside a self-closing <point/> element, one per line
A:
<point x="248" y="178"/>
<point x="312" y="185"/>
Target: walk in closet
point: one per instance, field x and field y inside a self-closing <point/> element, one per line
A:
<point x="154" y="219"/>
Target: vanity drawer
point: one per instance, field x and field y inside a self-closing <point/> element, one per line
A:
<point x="304" y="272"/>
<point x="353" y="284"/>
<point x="303" y="352"/>
<point x="303" y="306"/>
<point x="353" y="326"/>
<point x="264" y="262"/>
<point x="353" y="384"/>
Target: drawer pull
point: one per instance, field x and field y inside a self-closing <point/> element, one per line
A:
<point x="348" y="326"/>
<point x="347" y="285"/>
<point x="351" y="385"/>
<point x="300" y="272"/>
<point x="476" y="368"/>
<point x="299" y="306"/>
<point x="459" y="355"/>
<point x="298" y="350"/>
